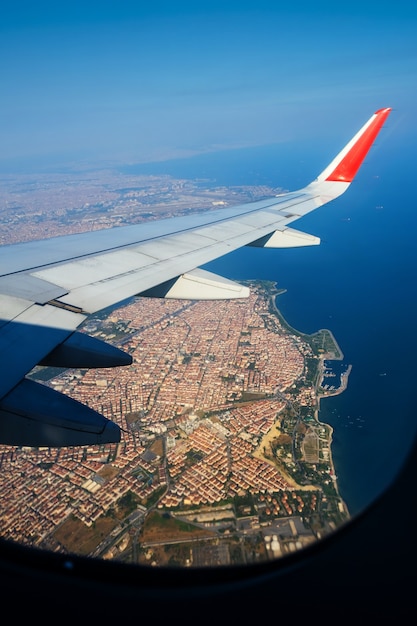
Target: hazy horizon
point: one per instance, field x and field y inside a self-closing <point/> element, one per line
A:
<point x="98" y="82"/>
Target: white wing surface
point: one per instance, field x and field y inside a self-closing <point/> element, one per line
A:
<point x="49" y="287"/>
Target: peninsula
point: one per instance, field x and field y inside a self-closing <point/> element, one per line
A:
<point x="223" y="458"/>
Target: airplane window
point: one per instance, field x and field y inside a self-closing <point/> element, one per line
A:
<point x="238" y="416"/>
<point x="188" y="380"/>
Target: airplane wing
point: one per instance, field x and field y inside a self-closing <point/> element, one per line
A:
<point x="49" y="287"/>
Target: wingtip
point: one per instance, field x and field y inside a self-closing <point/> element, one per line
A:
<point x="347" y="163"/>
<point x="385" y="110"/>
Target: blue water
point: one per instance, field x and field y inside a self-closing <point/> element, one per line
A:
<point x="360" y="283"/>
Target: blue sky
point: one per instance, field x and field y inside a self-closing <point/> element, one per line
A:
<point x="117" y="82"/>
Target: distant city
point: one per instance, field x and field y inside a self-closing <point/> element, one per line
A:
<point x="223" y="459"/>
<point x="47" y="205"/>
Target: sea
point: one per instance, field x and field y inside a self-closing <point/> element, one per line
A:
<point x="360" y="283"/>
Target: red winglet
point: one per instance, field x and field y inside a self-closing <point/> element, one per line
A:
<point x="346" y="169"/>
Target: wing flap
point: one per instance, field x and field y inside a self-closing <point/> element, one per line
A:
<point x="30" y="288"/>
<point x="11" y="307"/>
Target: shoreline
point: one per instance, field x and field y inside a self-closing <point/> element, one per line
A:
<point x="344" y="378"/>
<point x="320" y="392"/>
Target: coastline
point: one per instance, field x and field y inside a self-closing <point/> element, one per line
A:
<point x="320" y="392"/>
<point x="344" y="378"/>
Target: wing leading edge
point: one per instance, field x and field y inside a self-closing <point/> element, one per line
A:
<point x="49" y="287"/>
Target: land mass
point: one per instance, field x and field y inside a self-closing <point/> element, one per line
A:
<point x="223" y="459"/>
